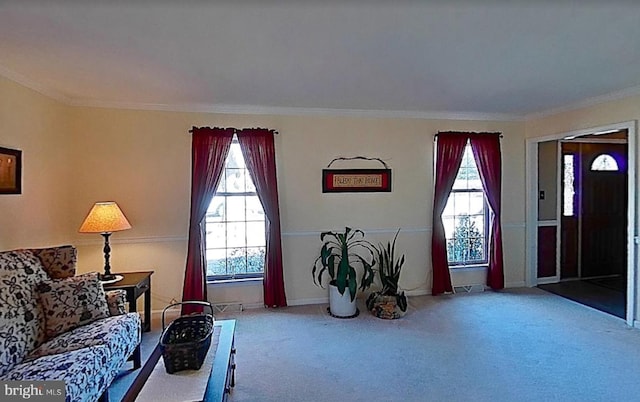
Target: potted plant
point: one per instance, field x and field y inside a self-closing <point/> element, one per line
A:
<point x="388" y="303"/>
<point x="339" y="257"/>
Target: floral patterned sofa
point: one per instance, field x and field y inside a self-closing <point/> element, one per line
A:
<point x="58" y="326"/>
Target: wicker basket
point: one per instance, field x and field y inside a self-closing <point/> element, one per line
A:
<point x="185" y="342"/>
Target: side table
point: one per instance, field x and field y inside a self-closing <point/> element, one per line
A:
<point x="136" y="284"/>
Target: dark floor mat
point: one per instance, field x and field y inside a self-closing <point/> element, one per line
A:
<point x="618" y="283"/>
<point x="599" y="297"/>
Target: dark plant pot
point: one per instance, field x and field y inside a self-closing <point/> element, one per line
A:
<point x="388" y="307"/>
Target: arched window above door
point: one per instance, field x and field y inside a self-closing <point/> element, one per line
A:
<point x="604" y="162"/>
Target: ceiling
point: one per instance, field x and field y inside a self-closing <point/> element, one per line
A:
<point x="488" y="58"/>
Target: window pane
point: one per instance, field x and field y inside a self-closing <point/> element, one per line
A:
<point x="237" y="260"/>
<point x="216" y="212"/>
<point x="236" y="234"/>
<point x="235" y="159"/>
<point x="216" y="262"/>
<point x="254" y="209"/>
<point x="568" y="178"/>
<point x="236" y="208"/>
<point x="605" y="162"/>
<point x="215" y="235"/>
<point x="476" y="224"/>
<point x="255" y="234"/>
<point x="476" y="203"/>
<point x="449" y="209"/>
<point x="255" y="259"/>
<point x="222" y="186"/>
<point x="235" y="180"/>
<point x="250" y="187"/>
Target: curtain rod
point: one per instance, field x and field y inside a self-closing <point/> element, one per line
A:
<point x="235" y="130"/>
<point x="468" y="132"/>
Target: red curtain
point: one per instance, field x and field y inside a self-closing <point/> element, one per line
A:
<point x="486" y="152"/>
<point x="209" y="150"/>
<point x="259" y="155"/>
<point x="450" y="148"/>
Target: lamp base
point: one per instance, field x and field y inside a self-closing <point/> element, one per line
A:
<point x="106" y="277"/>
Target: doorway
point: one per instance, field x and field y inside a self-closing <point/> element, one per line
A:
<point x="583" y="237"/>
<point x="593" y="223"/>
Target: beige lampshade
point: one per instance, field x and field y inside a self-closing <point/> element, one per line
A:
<point x="104" y="217"/>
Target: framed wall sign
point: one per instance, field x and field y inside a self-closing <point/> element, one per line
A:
<point x="10" y="171"/>
<point x="356" y="180"/>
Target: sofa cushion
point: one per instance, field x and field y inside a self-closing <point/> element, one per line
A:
<point x="72" y="302"/>
<point x="85" y="372"/>
<point x="58" y="262"/>
<point x="21" y="317"/>
<point x="116" y="300"/>
<point x="120" y="333"/>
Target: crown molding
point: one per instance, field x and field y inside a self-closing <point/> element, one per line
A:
<point x="298" y="111"/>
<point x="33" y="85"/>
<point x="301" y="111"/>
<point x="593" y="101"/>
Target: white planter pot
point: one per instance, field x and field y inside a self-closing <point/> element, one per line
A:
<point x="341" y="305"/>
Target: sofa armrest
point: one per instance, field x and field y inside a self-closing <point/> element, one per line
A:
<point x="116" y="299"/>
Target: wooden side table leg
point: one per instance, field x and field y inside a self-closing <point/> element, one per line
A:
<point x="137" y="361"/>
<point x="233" y="367"/>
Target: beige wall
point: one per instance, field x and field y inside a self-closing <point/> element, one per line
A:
<point x="39" y="127"/>
<point x="548" y="180"/>
<point x="617" y="111"/>
<point x="141" y="159"/>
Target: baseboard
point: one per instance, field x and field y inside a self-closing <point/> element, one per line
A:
<point x="417" y="292"/>
<point x="519" y="284"/>
<point x="478" y="288"/>
<point x="303" y="302"/>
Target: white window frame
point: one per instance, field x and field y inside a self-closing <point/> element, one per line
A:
<point x="210" y="219"/>
<point x="485" y="213"/>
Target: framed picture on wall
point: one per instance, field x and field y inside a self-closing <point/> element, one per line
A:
<point x="10" y="171"/>
<point x="356" y="180"/>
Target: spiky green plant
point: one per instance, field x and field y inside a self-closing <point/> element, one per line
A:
<point x="389" y="269"/>
<point x="339" y="256"/>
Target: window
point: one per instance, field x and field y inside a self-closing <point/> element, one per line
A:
<point x="465" y="216"/>
<point x="235" y="224"/>
<point x="604" y="162"/>
<point x="568" y="184"/>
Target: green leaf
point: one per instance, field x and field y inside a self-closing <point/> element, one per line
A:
<point x="353" y="283"/>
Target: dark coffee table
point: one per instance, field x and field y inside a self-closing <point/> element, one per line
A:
<point x="221" y="378"/>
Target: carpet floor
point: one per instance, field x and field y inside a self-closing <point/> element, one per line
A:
<point x="513" y="345"/>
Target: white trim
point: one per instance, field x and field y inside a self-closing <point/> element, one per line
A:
<point x="547" y="223"/>
<point x="632" y="262"/>
<point x="131" y="240"/>
<point x="367" y="231"/>
<point x="559" y="208"/>
<point x="303" y="302"/>
<point x="297" y="111"/>
<point x="531" y="158"/>
<point x="597" y="141"/>
<point x="531" y="208"/>
<point x="233" y="283"/>
<point x="517" y="284"/>
<point x="596" y="100"/>
<point x="29" y="83"/>
<point x="417" y="292"/>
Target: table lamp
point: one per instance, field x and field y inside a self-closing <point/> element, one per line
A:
<point x="105" y="218"/>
